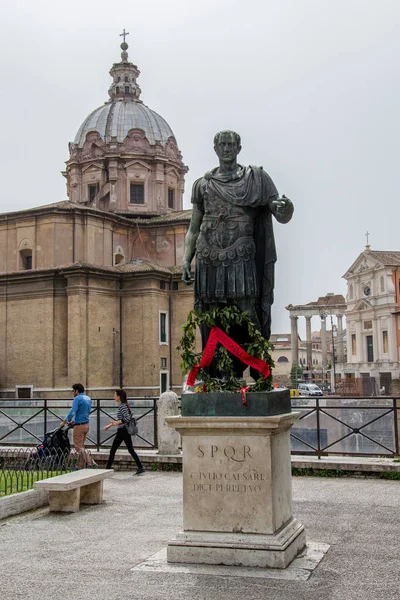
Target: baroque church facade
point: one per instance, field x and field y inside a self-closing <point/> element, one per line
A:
<point x="373" y="322"/>
<point x="90" y="288"/>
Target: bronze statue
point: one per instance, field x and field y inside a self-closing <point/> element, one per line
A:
<point x="232" y="237"/>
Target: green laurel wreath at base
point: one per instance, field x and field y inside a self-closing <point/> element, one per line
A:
<point x="225" y="318"/>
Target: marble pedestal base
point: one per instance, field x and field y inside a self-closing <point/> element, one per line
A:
<point x="237" y="492"/>
<point x="275" y="551"/>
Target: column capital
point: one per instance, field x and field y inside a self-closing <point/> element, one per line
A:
<point x="294" y="317"/>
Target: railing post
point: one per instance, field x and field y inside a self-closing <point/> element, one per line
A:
<point x="318" y="429"/>
<point x="155" y="408"/>
<point x="98" y="424"/>
<point x="45" y="417"/>
<point x="396" y="417"/>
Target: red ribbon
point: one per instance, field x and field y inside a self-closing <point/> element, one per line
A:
<point x="218" y="336"/>
<point x="243" y="391"/>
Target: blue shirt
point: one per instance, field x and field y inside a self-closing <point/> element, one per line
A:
<point x="80" y="410"/>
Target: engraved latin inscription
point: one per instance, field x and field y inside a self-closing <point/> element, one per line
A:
<point x="249" y="480"/>
<point x="237" y="454"/>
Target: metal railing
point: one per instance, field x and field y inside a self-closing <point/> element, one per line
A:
<point x="345" y="426"/>
<point x="327" y="426"/>
<point x="20" y="468"/>
<point x="25" y="422"/>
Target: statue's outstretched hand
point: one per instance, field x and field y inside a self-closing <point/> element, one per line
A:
<point x="186" y="273"/>
<point x="283" y="208"/>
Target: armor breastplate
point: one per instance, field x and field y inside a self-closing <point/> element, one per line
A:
<point x="226" y="233"/>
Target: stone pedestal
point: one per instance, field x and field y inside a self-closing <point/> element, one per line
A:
<point x="237" y="492"/>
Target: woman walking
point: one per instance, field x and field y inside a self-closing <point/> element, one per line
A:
<point x="124" y="415"/>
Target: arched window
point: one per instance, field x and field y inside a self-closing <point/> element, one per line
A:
<point x="119" y="257"/>
<point x="126" y="79"/>
<point x="382" y="284"/>
<point x="26" y="259"/>
<point x="117" y="89"/>
<point x="283" y="359"/>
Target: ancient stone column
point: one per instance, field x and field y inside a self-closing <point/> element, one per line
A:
<point x="340" y="339"/>
<point x="323" y="342"/>
<point x="294" y="338"/>
<point x="308" y="342"/>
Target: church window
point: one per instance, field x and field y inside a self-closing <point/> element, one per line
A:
<point x="26" y="259"/>
<point x="163" y="285"/>
<point x="171" y="197"/>
<point x="283" y="359"/>
<point x="370" y="348"/>
<point x="163" y="382"/>
<point x="385" y="342"/>
<point x="117" y="89"/>
<point x="93" y="188"/>
<point x="137" y="193"/>
<point x="127" y="89"/>
<point x="126" y="79"/>
<point x="24" y="391"/>
<point x="382" y="284"/>
<point x="175" y="286"/>
<point x="119" y="79"/>
<point x="163" y="328"/>
<point x="353" y="344"/>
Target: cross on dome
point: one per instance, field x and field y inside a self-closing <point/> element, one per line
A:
<point x="124" y="34"/>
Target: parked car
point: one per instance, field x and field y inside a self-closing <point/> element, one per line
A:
<point x="309" y="389"/>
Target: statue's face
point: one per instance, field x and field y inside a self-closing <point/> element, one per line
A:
<point x="227" y="148"/>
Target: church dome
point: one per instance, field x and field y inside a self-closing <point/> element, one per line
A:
<point x="124" y="156"/>
<point x="124" y="111"/>
<point x="116" y="118"/>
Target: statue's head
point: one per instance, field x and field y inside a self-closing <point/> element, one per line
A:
<point x="227" y="145"/>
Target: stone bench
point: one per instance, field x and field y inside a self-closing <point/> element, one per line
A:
<point x="68" y="491"/>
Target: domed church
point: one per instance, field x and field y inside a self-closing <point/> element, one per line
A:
<point x="90" y="287"/>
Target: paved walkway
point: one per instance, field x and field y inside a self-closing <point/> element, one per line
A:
<point x="90" y="555"/>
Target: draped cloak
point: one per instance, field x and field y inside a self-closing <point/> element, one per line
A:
<point x="235" y="249"/>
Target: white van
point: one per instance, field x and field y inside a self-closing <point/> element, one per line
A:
<point x="309" y="389"/>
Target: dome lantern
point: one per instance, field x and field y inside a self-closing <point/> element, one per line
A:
<point x="124" y="76"/>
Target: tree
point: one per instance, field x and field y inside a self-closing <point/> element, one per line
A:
<point x="296" y="373"/>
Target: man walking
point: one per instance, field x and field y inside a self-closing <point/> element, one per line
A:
<point x="79" y="416"/>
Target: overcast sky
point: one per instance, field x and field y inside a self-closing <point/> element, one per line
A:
<point x="312" y="86"/>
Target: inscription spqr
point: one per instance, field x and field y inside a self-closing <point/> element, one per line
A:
<point x="218" y="478"/>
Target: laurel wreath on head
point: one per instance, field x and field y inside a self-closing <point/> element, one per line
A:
<point x="224" y="318"/>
